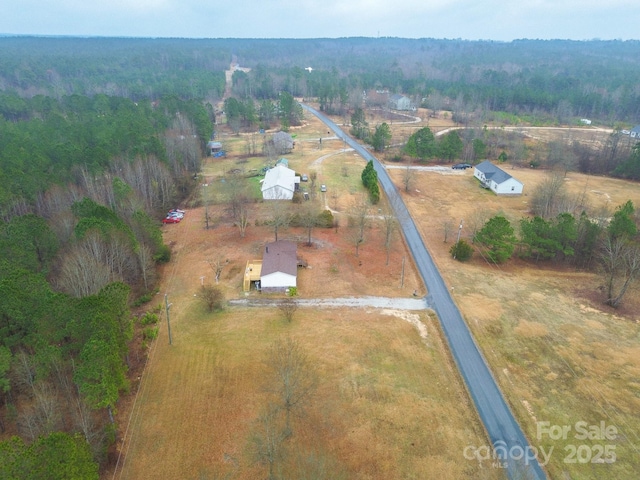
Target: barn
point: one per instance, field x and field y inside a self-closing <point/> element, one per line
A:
<point x="497" y="180"/>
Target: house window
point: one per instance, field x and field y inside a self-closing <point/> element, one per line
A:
<point x="513" y="188"/>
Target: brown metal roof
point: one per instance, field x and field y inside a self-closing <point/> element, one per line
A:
<point x="280" y="256"/>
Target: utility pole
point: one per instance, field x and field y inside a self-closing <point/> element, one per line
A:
<point x="458" y="240"/>
<point x="206" y="205"/>
<point x="167" y="306"/>
<point x="459" y="230"/>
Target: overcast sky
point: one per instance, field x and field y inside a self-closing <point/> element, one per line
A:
<point x="466" y="19"/>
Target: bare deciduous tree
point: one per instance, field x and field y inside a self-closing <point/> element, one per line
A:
<point x="308" y="219"/>
<point x="217" y="266"/>
<point x="288" y="307"/>
<point x="23" y="372"/>
<point x="358" y="222"/>
<point x="549" y="196"/>
<point x="476" y="221"/>
<point x="82" y="274"/>
<point x="620" y="260"/>
<point x="280" y="215"/>
<point x="84" y="420"/>
<point x="408" y="178"/>
<point x="447" y="227"/>
<point x="47" y="407"/>
<point x="147" y="266"/>
<point x="183" y="147"/>
<point x="292" y="378"/>
<point x="390" y="224"/>
<point x="243" y="218"/>
<point x="267" y="440"/>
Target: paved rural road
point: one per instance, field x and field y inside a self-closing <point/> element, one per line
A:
<point x="503" y="429"/>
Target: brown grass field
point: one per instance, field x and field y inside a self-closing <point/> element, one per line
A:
<point x="389" y="403"/>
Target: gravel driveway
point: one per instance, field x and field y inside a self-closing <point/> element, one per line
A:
<point x="370" y="302"/>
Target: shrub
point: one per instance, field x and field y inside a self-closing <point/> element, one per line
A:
<point x="325" y="219"/>
<point x="149" y="319"/>
<point x="150" y="333"/>
<point x="461" y="251"/>
<point x="212" y="297"/>
<point x="163" y="255"/>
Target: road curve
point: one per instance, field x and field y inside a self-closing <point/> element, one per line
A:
<point x="505" y="434"/>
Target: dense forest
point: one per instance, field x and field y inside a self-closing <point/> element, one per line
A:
<point x="595" y="79"/>
<point x="99" y="137"/>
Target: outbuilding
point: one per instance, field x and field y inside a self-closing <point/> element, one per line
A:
<point x="213" y="148"/>
<point x="497" y="180"/>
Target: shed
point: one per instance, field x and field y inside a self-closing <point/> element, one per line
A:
<point x="213" y="147"/>
<point x="497" y="180"/>
<point x="279" y="266"/>
<point x="635" y="132"/>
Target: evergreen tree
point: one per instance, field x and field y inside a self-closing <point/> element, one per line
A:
<point x="498" y="238"/>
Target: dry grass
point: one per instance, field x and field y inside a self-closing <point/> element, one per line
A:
<point x="389" y="403"/>
<point x="386" y="406"/>
<point x="558" y="353"/>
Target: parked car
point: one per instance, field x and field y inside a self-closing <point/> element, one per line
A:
<point x="171" y="220"/>
<point x="304" y="178"/>
<point x="461" y="166"/>
<point x="323" y="188"/>
<point x="176" y="213"/>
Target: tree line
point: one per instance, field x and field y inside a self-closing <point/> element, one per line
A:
<point x="548" y="80"/>
<point x="609" y="246"/>
<point x="84" y="180"/>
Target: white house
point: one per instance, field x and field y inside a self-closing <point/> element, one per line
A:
<point x="399" y="102"/>
<point x="497" y="180"/>
<point x="279" y="183"/>
<point x="635" y="132"/>
<point x="279" y="266"/>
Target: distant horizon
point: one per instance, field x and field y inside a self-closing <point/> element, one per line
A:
<point x="578" y="20"/>
<point x="133" y="37"/>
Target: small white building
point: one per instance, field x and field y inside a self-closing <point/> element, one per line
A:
<point x="279" y="266"/>
<point x="635" y="132"/>
<point x="279" y="183"/>
<point x="497" y="180"/>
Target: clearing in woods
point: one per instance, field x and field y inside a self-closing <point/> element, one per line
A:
<point x="389" y="403"/>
